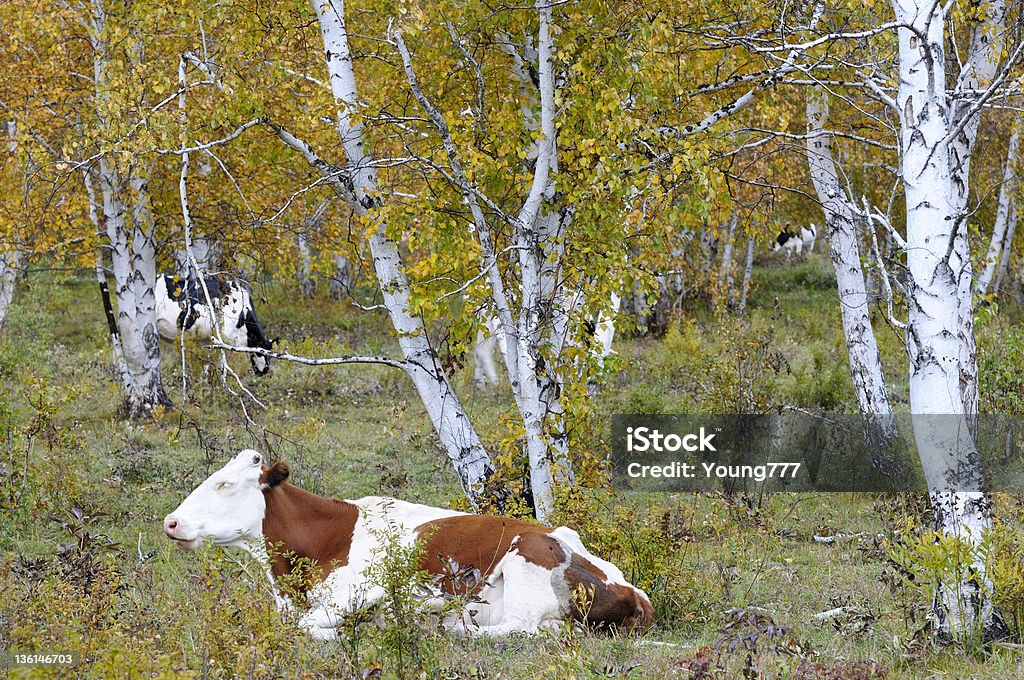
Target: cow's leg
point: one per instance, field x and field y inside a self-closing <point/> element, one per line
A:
<point x="343" y="593"/>
<point x="321" y="623"/>
<point x="532" y="593"/>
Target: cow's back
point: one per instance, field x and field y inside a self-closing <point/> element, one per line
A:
<point x="476" y="541"/>
<point x="594" y="590"/>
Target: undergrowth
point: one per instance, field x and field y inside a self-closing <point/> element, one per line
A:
<point x="738" y="583"/>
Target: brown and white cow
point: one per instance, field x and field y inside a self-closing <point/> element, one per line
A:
<point x="530" y="574"/>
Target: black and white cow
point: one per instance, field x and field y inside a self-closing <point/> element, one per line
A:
<point x="182" y="305"/>
<point x="791" y="242"/>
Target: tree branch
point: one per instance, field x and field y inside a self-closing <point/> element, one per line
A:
<point x="330" y="361"/>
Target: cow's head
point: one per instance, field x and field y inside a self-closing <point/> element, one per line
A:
<point x="227" y="509"/>
<point x="261" y="362"/>
<point x="257" y="340"/>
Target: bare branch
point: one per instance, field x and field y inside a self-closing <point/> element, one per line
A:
<point x="881" y="264"/>
<point x="217" y="142"/>
<point x="335" y="176"/>
<point x="329" y="361"/>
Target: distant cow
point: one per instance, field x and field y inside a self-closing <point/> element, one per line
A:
<point x="182" y="305"/>
<point x="525" y="577"/>
<point x="791" y="242"/>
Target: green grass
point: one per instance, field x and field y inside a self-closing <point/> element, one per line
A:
<point x="357" y="430"/>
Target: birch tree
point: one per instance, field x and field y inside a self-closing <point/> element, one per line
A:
<point x="10" y="261"/>
<point x="1006" y="218"/>
<point x="11" y="254"/>
<point x="840" y="229"/>
<point x="977" y="75"/>
<point x="1007" y="248"/>
<point x="131" y="238"/>
<point x="522" y="333"/>
<point x="933" y="184"/>
<point x="937" y="117"/>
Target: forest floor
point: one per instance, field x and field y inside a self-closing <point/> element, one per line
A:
<point x="736" y="582"/>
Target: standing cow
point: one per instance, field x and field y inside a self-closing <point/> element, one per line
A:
<point x="791" y="241"/>
<point x="182" y="305"/>
<point x="526" y="577"/>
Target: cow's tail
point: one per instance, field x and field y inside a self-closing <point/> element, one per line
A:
<point x="108" y="309"/>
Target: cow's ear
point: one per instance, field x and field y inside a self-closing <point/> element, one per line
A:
<point x="275" y="475"/>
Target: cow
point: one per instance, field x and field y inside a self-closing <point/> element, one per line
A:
<point x="527" y="577"/>
<point x="790" y="241"/>
<point x="182" y="305"/>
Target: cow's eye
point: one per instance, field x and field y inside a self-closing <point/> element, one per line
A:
<point x="224" y="485"/>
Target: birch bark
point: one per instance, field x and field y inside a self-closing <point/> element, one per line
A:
<point x="935" y="329"/>
<point x="535" y="334"/>
<point x="1007" y="249"/>
<point x="10" y="262"/>
<point x="11" y="256"/>
<point x="725" y="279"/>
<point x="861" y="346"/>
<point x="978" y="71"/>
<point x="304" y="272"/>
<point x="748" y="271"/>
<point x="1000" y="230"/>
<point x="133" y="261"/>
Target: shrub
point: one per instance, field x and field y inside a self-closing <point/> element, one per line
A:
<point x="1001" y="382"/>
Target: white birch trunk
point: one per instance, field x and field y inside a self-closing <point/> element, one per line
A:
<point x="1003" y="209"/>
<point x="934" y="340"/>
<point x="307" y="284"/>
<point x="1007" y="248"/>
<point x="149" y="390"/>
<point x="115" y="338"/>
<point x="446" y="413"/>
<point x="604" y="333"/>
<point x="206" y="253"/>
<point x="95" y="210"/>
<point x="10" y="263"/>
<point x="11" y="255"/>
<point x="725" y="272"/>
<point x="484" y="371"/>
<point x="748" y="271"/>
<point x="342" y="281"/>
<point x="134" y="268"/>
<point x="854" y="305"/>
<point x="542" y="325"/>
<point x="978" y="71"/>
<point x="546" y="441"/>
<point x="132" y="264"/>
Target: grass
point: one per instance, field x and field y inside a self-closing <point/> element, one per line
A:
<point x="84" y="565"/>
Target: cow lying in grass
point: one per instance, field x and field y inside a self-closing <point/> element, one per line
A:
<point x="183" y="306"/>
<point x="531" y="577"/>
